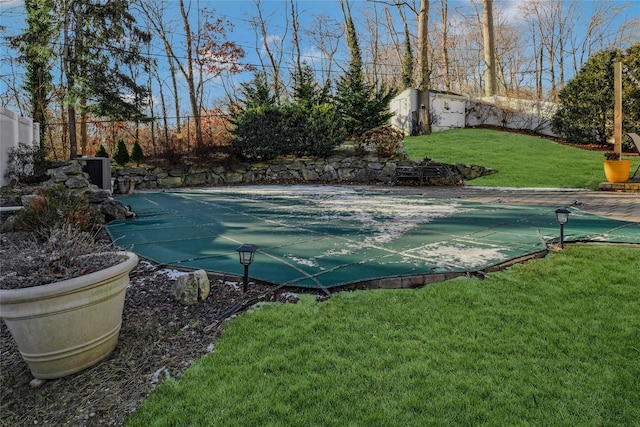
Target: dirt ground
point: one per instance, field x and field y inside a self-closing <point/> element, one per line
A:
<point x="159" y="338"/>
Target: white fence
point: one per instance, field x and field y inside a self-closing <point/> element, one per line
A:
<point x="14" y="130"/>
<point x="512" y="113"/>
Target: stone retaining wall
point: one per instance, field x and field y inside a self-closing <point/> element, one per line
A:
<point x="335" y="169"/>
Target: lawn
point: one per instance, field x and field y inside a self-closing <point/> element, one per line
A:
<point x="554" y="341"/>
<point x="523" y="161"/>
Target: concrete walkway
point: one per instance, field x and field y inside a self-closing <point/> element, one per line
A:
<point x="620" y="206"/>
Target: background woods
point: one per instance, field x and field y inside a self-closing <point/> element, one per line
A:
<point x="166" y="74"/>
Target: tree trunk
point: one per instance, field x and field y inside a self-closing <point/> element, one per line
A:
<point x="83" y="130"/>
<point x="488" y="35"/>
<point x="424" y="123"/>
<point x="73" y="142"/>
<point x="189" y="76"/>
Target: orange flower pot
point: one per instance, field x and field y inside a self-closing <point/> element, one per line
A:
<point x="617" y="170"/>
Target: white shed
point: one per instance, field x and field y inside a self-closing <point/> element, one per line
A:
<point x="447" y="110"/>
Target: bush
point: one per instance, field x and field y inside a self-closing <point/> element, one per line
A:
<point x="121" y="155"/>
<point x="27" y="164"/>
<point x="258" y="133"/>
<point x="54" y="206"/>
<point x="102" y="152"/>
<point x="385" y="140"/>
<point x="586" y="111"/>
<point x="324" y="129"/>
<point x="269" y="132"/>
<point x="137" y="155"/>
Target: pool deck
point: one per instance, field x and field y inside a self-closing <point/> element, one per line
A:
<point x="620" y="206"/>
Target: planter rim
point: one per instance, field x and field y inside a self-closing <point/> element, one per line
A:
<point x="10" y="296"/>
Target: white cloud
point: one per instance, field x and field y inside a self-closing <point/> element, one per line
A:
<point x="312" y="56"/>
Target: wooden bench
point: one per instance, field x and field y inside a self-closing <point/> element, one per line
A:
<point x="422" y="173"/>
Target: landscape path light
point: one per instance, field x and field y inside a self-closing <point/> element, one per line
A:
<point x="562" y="217"/>
<point x="246" y="253"/>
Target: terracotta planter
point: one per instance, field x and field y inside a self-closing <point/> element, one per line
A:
<point x="64" y="327"/>
<point x="617" y="170"/>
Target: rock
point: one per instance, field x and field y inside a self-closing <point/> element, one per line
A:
<point x="192" y="287"/>
<point x="76" y="181"/>
<point x="37" y="382"/>
<point x="309" y="175"/>
<point x="113" y="210"/>
<point x="71" y="168"/>
<point x="9" y="224"/>
<point x="330" y="172"/>
<point x="57" y="176"/>
<point x="170" y="181"/>
<point x="100" y="196"/>
<point x="234" y="177"/>
<point x="195" y="179"/>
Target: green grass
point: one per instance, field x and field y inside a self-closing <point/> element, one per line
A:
<point x="554" y="341"/>
<point x="523" y="161"/>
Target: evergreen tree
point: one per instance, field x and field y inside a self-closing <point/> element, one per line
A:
<point x="100" y="42"/>
<point x="306" y="91"/>
<point x="407" y="66"/>
<point x="137" y="154"/>
<point x="585" y="113"/>
<point x="102" y="152"/>
<point x="256" y="93"/>
<point x="362" y="106"/>
<point x="121" y="155"/>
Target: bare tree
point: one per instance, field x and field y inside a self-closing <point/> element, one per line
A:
<point x="444" y="14"/>
<point x="326" y="34"/>
<point x="275" y="55"/>
<point x="295" y="25"/>
<point x="188" y="73"/>
<point x="154" y="10"/>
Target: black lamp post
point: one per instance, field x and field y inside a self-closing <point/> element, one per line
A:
<point x="246" y="253"/>
<point x="562" y="216"/>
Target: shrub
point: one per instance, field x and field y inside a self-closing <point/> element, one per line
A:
<point x="385" y="140"/>
<point x="137" y="155"/>
<point x="102" y="152"/>
<point x="258" y="133"/>
<point x="27" y="164"/>
<point x="586" y="111"/>
<point x="268" y="132"/>
<point x="121" y="155"/>
<point x="54" y="206"/>
<point x="325" y="130"/>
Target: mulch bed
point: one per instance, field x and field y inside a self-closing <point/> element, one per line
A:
<point x="159" y="338"/>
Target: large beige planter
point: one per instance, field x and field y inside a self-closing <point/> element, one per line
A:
<point x="64" y="327"/>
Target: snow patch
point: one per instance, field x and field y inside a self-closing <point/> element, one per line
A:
<point x="445" y="254"/>
<point x="309" y="262"/>
<point x="171" y="273"/>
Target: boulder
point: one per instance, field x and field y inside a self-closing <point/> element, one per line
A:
<point x="192" y="287"/>
<point x="113" y="210"/>
<point x="76" y="181"/>
<point x="100" y="196"/>
<point x="170" y="181"/>
<point x="71" y="168"/>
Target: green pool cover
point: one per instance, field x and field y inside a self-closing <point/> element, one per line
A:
<point x="325" y="236"/>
